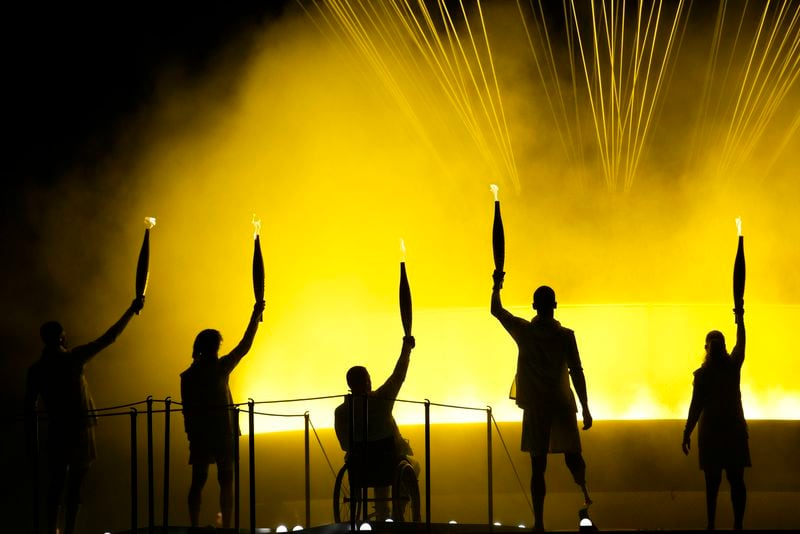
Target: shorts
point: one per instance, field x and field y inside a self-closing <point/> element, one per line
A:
<point x="73" y="446"/>
<point x="205" y="451"/>
<point x="546" y="431"/>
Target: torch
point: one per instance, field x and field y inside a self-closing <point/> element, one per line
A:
<point x="405" y="293"/>
<point x="143" y="265"/>
<point x="739" y="272"/>
<point x="498" y="237"/>
<point x="258" y="264"/>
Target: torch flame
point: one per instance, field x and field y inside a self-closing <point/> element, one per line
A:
<point x="256" y="226"/>
<point x="402" y="250"/>
<point x="739" y="225"/>
<point x="149" y="222"/>
<point x="494" y="189"/>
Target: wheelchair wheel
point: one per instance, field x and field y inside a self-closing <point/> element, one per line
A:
<point x="342" y="500"/>
<point x="405" y="494"/>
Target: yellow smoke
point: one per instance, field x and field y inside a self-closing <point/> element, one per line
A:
<point x="312" y="143"/>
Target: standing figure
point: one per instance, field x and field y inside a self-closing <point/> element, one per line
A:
<point x="548" y="357"/>
<point x="386" y="445"/>
<point x="58" y="379"/>
<point x="722" y="437"/>
<point x="211" y="424"/>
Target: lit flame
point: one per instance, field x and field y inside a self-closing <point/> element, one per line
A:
<point x="149" y="222"/>
<point x="495" y="190"/>
<point x="739" y="225"/>
<point x="256" y="226"/>
<point x="402" y="250"/>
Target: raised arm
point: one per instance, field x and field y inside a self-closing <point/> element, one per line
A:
<point x="246" y="343"/>
<point x="391" y="387"/>
<point x="737" y="354"/>
<point x="497" y="305"/>
<point x="86" y="352"/>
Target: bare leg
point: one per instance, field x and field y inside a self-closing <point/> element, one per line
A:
<point x="538" y="489"/>
<point x="73" y="497"/>
<point x="713" y="479"/>
<point x="225" y="477"/>
<point x="382" y="503"/>
<point x="57" y="475"/>
<point x="738" y="495"/>
<point x="199" y="477"/>
<point x="577" y="466"/>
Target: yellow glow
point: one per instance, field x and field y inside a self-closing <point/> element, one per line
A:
<point x="495" y="190"/>
<point x="313" y="138"/>
<point x="256" y="226"/>
<point x="149" y="222"/>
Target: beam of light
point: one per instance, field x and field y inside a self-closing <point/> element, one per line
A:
<point x="342" y="167"/>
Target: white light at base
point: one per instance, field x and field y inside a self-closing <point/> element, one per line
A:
<point x="296" y="528"/>
<point x="495" y="190"/>
<point x="281" y="528"/>
<point x="738" y="226"/>
<point x="365" y="526"/>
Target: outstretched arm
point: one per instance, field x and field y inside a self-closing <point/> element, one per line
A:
<point x="497" y="305"/>
<point x="86" y="352"/>
<point x="391" y="387"/>
<point x="738" y="350"/>
<point x="246" y="343"/>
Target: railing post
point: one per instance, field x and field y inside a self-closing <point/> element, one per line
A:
<point x="252" y="448"/>
<point x="350" y="398"/>
<point x="134" y="474"/>
<point x="33" y="428"/>
<point x="489" y="464"/>
<point x="306" y="420"/>
<point x="365" y="457"/>
<point x="236" y="477"/>
<point x="151" y="513"/>
<point x="428" y="465"/>
<point x="167" y="407"/>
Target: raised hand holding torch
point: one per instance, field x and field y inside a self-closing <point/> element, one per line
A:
<point x="143" y="265"/>
<point x="498" y="241"/>
<point x="739" y="274"/>
<point x="405" y="293"/>
<point x="258" y="264"/>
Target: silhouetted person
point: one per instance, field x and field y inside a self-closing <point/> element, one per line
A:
<point x="548" y="357"/>
<point x="58" y="379"/>
<point x="383" y="436"/>
<point x="211" y="424"/>
<point x="722" y="437"/>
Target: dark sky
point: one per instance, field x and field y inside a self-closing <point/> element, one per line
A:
<point x="74" y="73"/>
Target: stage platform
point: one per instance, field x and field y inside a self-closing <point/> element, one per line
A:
<point x="416" y="528"/>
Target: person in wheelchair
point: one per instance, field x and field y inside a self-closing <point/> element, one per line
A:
<point x="373" y="463"/>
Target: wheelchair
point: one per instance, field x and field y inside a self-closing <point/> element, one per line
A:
<point x="382" y="468"/>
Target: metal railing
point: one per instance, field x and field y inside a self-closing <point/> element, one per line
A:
<point x="132" y="410"/>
